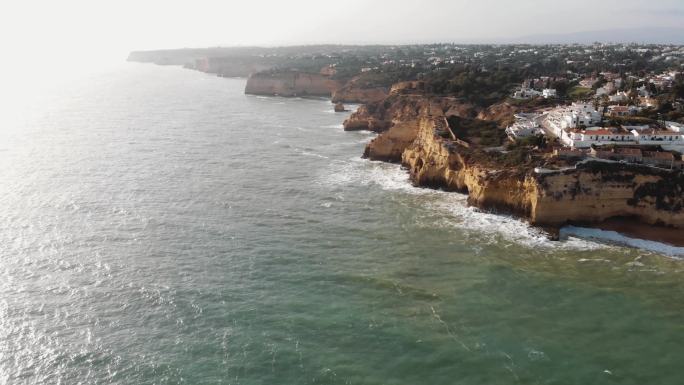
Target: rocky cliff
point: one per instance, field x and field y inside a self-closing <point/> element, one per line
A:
<point x="352" y="93"/>
<point x="290" y="83"/>
<point x="591" y="192"/>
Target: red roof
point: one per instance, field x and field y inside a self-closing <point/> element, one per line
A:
<point x="599" y="132"/>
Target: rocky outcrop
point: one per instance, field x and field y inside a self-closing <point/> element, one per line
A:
<point x="357" y="90"/>
<point x="290" y="83"/>
<point x="414" y="86"/>
<point x="398" y="109"/>
<point x="502" y="113"/>
<point x="597" y="191"/>
<point x="590" y="192"/>
<point x="404" y="114"/>
<point x="353" y="94"/>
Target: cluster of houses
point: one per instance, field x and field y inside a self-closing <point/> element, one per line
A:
<point x="612" y="87"/>
<point x="579" y="129"/>
<point x="525" y="125"/>
<point x="535" y="88"/>
<point x="577" y="126"/>
<point x="529" y="93"/>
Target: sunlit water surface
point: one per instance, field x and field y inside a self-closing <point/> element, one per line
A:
<point x="157" y="226"/>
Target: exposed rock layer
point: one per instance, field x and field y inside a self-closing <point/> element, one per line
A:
<point x="290" y="83"/>
<point x="592" y="192"/>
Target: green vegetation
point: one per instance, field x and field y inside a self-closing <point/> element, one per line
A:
<point x="629" y="121"/>
<point x="530" y="141"/>
<point x="474" y="85"/>
<point x="478" y="132"/>
<point x="578" y="93"/>
<point x="532" y="104"/>
<point x="387" y="77"/>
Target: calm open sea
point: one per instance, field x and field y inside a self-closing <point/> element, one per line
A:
<point x="157" y="226"/>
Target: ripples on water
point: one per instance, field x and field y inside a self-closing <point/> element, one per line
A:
<point x="158" y="226"/>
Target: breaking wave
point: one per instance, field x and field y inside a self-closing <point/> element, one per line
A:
<point x="615" y="237"/>
<point x="494" y="227"/>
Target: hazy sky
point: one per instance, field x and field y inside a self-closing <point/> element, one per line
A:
<point x="115" y="27"/>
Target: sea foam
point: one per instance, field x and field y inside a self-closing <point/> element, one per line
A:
<point x="491" y="227"/>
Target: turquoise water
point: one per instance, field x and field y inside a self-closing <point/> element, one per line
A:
<point x="160" y="227"/>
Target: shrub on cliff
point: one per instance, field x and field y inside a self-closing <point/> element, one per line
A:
<point x="476" y="131"/>
<point x="480" y="87"/>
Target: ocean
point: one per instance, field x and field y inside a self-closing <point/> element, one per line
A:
<point x="158" y="226"/>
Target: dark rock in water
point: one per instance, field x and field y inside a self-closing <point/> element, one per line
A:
<point x="339" y="107"/>
<point x="552" y="233"/>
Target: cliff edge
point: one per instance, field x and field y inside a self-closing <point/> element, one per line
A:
<point x="418" y="134"/>
<point x="290" y="83"/>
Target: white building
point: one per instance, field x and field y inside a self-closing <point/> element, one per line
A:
<point x="524" y="129"/>
<point x="526" y="125"/>
<point x="596" y="136"/>
<point x="580" y="114"/>
<point x="575" y="127"/>
<point x="674" y="126"/>
<point x="668" y="140"/>
<point x="526" y="93"/>
<point x="575" y="116"/>
<point x="620" y="97"/>
<point x="607" y="89"/>
<point x="644" y="92"/>
<point x="622" y="110"/>
<point x="548" y="93"/>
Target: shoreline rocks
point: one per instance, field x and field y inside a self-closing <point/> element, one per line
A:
<point x="339" y="107"/>
<point x="592" y="193"/>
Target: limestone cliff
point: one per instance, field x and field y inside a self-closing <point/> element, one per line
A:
<point x="358" y="90"/>
<point x="590" y="192"/>
<point x="351" y="93"/>
<point x="290" y="83"/>
<point x="403" y="113"/>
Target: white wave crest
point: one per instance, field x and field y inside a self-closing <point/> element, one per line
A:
<point x="490" y="227"/>
<point x="615" y="237"/>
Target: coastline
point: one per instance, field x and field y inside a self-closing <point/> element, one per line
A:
<point x="637" y="230"/>
<point x="412" y="130"/>
<point x="407" y="133"/>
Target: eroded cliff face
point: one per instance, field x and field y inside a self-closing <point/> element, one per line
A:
<point x="434" y="162"/>
<point x="404" y="114"/>
<point x="592" y="192"/>
<point x="290" y="83"/>
<point x="354" y="94"/>
<point x="502" y="113"/>
<point x="356" y="91"/>
<point x="595" y="192"/>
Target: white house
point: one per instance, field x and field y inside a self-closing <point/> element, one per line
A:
<point x="548" y="93"/>
<point x="580" y="114"/>
<point x="620" y="97"/>
<point x="596" y="136"/>
<point x="526" y="93"/>
<point x="568" y="118"/>
<point x="674" y="126"/>
<point x="607" y="89"/>
<point x="656" y="137"/>
<point x="524" y="129"/>
<point x="644" y="92"/>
